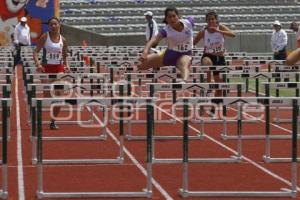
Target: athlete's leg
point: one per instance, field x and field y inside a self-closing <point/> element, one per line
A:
<point x="293" y="57"/>
<point x="208" y="62"/>
<point x="183" y="63"/>
<point x="152" y="61"/>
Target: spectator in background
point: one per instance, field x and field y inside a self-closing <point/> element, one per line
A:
<point x="279" y="41"/>
<point x="151" y="28"/>
<point x="21" y="38"/>
<point x="296" y="28"/>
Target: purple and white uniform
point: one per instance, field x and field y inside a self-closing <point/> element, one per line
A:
<point x="179" y="43"/>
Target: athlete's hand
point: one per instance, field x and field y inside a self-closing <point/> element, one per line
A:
<point x="143" y="58"/>
<point x="212" y="29"/>
<point x="40" y="68"/>
<point x="67" y="69"/>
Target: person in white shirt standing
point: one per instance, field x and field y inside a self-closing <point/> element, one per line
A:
<point x="296" y="28"/>
<point x="21" y="38"/>
<point x="151" y="28"/>
<point x="279" y="41"/>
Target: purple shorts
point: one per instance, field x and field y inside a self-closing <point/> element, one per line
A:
<point x="171" y="57"/>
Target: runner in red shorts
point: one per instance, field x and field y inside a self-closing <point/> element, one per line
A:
<point x="55" y="51"/>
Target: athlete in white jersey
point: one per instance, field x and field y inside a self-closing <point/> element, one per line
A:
<point x="179" y="35"/>
<point x="213" y="36"/>
<point x="55" y="51"/>
<point x="52" y="53"/>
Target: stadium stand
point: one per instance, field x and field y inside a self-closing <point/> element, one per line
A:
<point x="126" y="16"/>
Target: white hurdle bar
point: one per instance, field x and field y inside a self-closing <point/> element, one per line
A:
<point x="78" y="90"/>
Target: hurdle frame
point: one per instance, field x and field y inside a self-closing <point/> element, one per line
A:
<point x="257" y="76"/>
<point x="231" y="159"/>
<point x="186" y="192"/>
<point x="147" y="192"/>
<point x="5" y="104"/>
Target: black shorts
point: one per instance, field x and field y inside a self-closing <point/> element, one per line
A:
<point x="216" y="60"/>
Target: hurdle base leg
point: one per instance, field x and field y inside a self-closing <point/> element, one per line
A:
<point x="285" y="193"/>
<point x="184" y="193"/>
<point x="163" y="137"/>
<point x="169" y="121"/>
<point x="149" y="193"/>
<point x="41" y="195"/>
<point x="255" y="137"/>
<point x="118" y="160"/>
<point x="269" y="159"/>
<point x="280" y="120"/>
<point x="3" y="194"/>
<point x="231" y="159"/>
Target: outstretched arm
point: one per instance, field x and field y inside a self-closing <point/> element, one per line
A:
<point x="39" y="46"/>
<point x="65" y="55"/>
<point x="226" y="31"/>
<point x="153" y="41"/>
<point x="198" y="37"/>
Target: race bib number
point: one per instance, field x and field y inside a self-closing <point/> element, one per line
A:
<point x="216" y="49"/>
<point x="182" y="47"/>
<point x="53" y="56"/>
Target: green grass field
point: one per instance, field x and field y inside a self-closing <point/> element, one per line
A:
<point x="282" y="92"/>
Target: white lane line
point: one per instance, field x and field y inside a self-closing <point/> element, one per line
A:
<point x="275" y="125"/>
<point x="21" y="191"/>
<point x="136" y="162"/>
<point x="143" y="170"/>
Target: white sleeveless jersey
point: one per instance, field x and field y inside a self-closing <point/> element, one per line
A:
<point x="179" y="41"/>
<point x="53" y="51"/>
<point x="213" y="42"/>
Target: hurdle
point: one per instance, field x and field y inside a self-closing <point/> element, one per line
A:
<point x="81" y="88"/>
<point x="5" y="107"/>
<point x="157" y="76"/>
<point x="92" y="90"/>
<point x="6" y="64"/>
<point x="154" y="78"/>
<point x="32" y="70"/>
<point x="186" y="192"/>
<point x="166" y="87"/>
<point x="5" y="91"/>
<point x="282" y="85"/>
<point x="71" y="101"/>
<point x="78" y="89"/>
<point x="200" y="86"/>
<point x="269" y="76"/>
<point x="72" y="77"/>
<point x="285" y="68"/>
<point x="6" y="78"/>
<point x="39" y="103"/>
<point x="5" y="69"/>
<point x="267" y="157"/>
<point x="225" y="68"/>
<point x="259" y="75"/>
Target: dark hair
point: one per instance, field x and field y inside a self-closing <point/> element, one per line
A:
<point x="170" y="9"/>
<point x="213" y="13"/>
<point x="293" y="25"/>
<point x="55" y="18"/>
